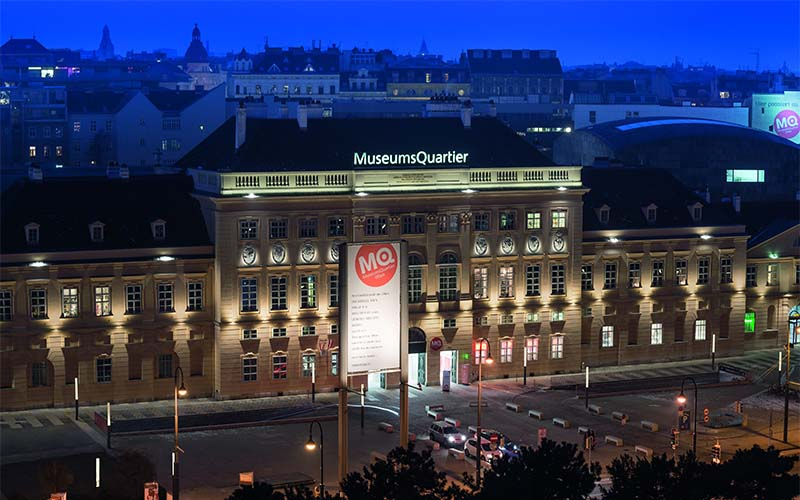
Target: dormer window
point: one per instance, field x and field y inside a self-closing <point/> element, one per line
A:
<point x="96" y="231"/>
<point x="32" y="233"/>
<point x="159" y="229"/>
<point x="651" y="212"/>
<point x="605" y="214"/>
<point x="697" y="211"/>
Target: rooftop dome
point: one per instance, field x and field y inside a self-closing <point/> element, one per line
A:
<point x="196" y="53"/>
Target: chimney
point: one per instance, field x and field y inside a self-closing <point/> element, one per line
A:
<point x="492" y="109"/>
<point x="737" y="203"/>
<point x="302" y="115"/>
<point x="708" y="195"/>
<point x="466" y="114"/>
<point x="241" y="125"/>
<point x="35" y="173"/>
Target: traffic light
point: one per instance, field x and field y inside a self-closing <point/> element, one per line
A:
<point x="716" y="453"/>
<point x="738" y="406"/>
<point x="673" y="441"/>
<point x="706" y="416"/>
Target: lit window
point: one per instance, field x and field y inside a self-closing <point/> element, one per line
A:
<point x="557" y="316"/>
<point x="480" y="277"/>
<point x="607" y="336"/>
<point x="32" y="151"/>
<point x="38" y="303"/>
<point x="308" y="362"/>
<point x="249" y="368"/>
<point x="532" y="317"/>
<point x="277" y="292"/>
<point x="506" y="349"/>
<point x="508" y="220"/>
<point x="449" y="223"/>
<point x="69" y="302"/>
<point x="76" y="126"/>
<point x="448" y="277"/>
<point x="557" y="279"/>
<point x="133" y="299"/>
<point x="532" y="348"/>
<point x="279" y="368"/>
<point x="248" y="229"/>
<point x="658" y="273"/>
<point x="333" y="290"/>
<point x="165" y="298"/>
<point x="532" y="280"/>
<point x="102" y="300"/>
<point x="427" y="78"/>
<point x="772" y="275"/>
<point x="586" y="277"/>
<point x="744" y="176"/>
<point x="700" y="329"/>
<point x="59" y="151"/>
<point x="656" y="333"/>
<point x="249" y="298"/>
<point x="308" y="291"/>
<point x="533" y="220"/>
<point x="681" y="276"/>
<point x="195" y="296"/>
<point x="725" y="269"/>
<point x="103" y="370"/>
<point x="334" y="362"/>
<point x="557" y="347"/>
<point x="634" y="275"/>
<point x="506" y="281"/>
<point x="480" y="350"/>
<point x="749" y="322"/>
<point x="559" y="219"/>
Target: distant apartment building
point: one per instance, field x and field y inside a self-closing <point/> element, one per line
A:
<point x="424" y="75"/>
<point x="33" y="123"/>
<point x="531" y="75"/>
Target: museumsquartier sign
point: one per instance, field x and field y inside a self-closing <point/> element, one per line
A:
<point x="421" y="158"/>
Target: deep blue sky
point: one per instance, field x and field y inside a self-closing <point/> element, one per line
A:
<point x="721" y="33"/>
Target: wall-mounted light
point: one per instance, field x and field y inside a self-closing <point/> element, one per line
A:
<point x="773" y="255"/>
<point x="469" y="191"/>
<point x="38" y="263"/>
<point x="613" y="239"/>
<point x="251" y="196"/>
<point x="165" y="258"/>
<point x="562" y="188"/>
<point x="362" y="194"/>
<point x="705" y="236"/>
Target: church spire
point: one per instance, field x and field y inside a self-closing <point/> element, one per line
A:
<point x="423" y="49"/>
<point x="106" y="49"/>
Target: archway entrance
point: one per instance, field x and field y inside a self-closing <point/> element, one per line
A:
<point x="417" y="356"/>
<point x="794" y="325"/>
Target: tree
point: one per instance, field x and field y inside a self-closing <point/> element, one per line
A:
<point x="258" y="491"/>
<point x="551" y="471"/>
<point x="661" y="478"/>
<point x="404" y="475"/>
<point x="758" y="474"/>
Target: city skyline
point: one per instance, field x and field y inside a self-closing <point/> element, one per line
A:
<point x="596" y="32"/>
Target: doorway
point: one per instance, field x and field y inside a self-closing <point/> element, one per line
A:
<point x="448" y="361"/>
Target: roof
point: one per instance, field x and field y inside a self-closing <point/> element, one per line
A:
<point x="765" y="220"/>
<point x="175" y="100"/>
<point x="104" y="101"/>
<point x="23" y="46"/>
<point x="297" y="61"/>
<point x="625" y="133"/>
<point x="125" y="206"/>
<point x="510" y="62"/>
<point x="647" y="186"/>
<point x="330" y="144"/>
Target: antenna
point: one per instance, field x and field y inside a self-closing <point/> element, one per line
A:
<point x="757" y="53"/>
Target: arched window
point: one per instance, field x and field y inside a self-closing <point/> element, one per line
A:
<point x="771" y="318"/>
<point x="448" y="277"/>
<point x="415" y="259"/>
<point x="448" y="258"/>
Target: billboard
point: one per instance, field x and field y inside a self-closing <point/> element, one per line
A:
<point x="778" y="114"/>
<point x="372" y="309"/>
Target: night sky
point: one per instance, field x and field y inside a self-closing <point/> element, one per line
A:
<point x="721" y="33"/>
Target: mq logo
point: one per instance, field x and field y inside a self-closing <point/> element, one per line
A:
<point x="787" y="124"/>
<point x="376" y="264"/>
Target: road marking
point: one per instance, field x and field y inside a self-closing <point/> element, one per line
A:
<point x="370" y="397"/>
<point x="10" y="422"/>
<point x="54" y="420"/>
<point x="33" y="421"/>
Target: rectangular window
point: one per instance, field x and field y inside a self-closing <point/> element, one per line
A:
<point x="38" y="303"/>
<point x="248" y="229"/>
<point x="249" y="297"/>
<point x="334" y="329"/>
<point x="557" y="347"/>
<point x="449" y="323"/>
<point x="744" y="176"/>
<point x="607" y="336"/>
<point x="308" y="361"/>
<point x="656" y="333"/>
<point x="533" y="220"/>
<point x="559" y="219"/>
<point x="103" y="370"/>
<point x="700" y="329"/>
<point x="165" y="303"/>
<point x="308" y="228"/>
<point x="557" y="279"/>
<point x="133" y="299"/>
<point x="414" y="284"/>
<point x="749" y="322"/>
<point x="448" y="282"/>
<point x="194" y="296"/>
<point x="277" y="229"/>
<point x="506" y="349"/>
<point x="102" y="300"/>
<point x="681" y="274"/>
<point x="69" y="302"/>
<point x="725" y="269"/>
<point x="249" y="369"/>
<point x="772" y="275"/>
<point x="376" y="226"/>
<point x="506" y="281"/>
<point x="336" y="226"/>
<point x="76" y="126"/>
<point x="32" y="151"/>
<point x="634" y="275"/>
<point x="703" y="270"/>
<point x="532" y="348"/>
<point x="308" y="291"/>
<point x="587" y="282"/>
<point x="308" y="330"/>
<point x="39" y="374"/>
<point x="279" y="368"/>
<point x="533" y="280"/>
<point x="480" y="351"/>
<point x="480" y="221"/>
<point x="250" y="334"/>
<point x="797" y="274"/>
<point x="279" y="331"/>
<point x="532" y="317"/>
<point x="751" y="275"/>
<point x="165" y="366"/>
<point x="413" y="224"/>
<point x="277" y="293"/>
<point x="610" y="281"/>
<point x="658" y="273"/>
<point x="480" y="280"/>
<point x="449" y="223"/>
<point x="557" y="316"/>
<point x="507" y="319"/>
<point x="6" y="305"/>
<point x="508" y="220"/>
<point x="334" y="363"/>
<point x="333" y="290"/>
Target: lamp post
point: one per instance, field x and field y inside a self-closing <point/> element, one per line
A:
<point x="682" y="400"/>
<point x="311" y="446"/>
<point x="586" y="389"/>
<point x="176" y="482"/>
<point x="481" y="361"/>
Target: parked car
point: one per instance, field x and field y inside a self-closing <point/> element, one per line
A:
<point x="447" y="435"/>
<point x="489" y="452"/>
<point x="509" y="449"/>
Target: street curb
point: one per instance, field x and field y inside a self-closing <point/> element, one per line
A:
<point x="662" y="389"/>
<point x="238" y="425"/>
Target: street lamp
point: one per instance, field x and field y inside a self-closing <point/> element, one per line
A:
<point x="176" y="482"/>
<point x="682" y="401"/>
<point x="481" y="361"/>
<point x="311" y="446"/>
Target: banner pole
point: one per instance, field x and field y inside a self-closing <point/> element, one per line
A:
<point x="343" y="364"/>
<point x="404" y="344"/>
